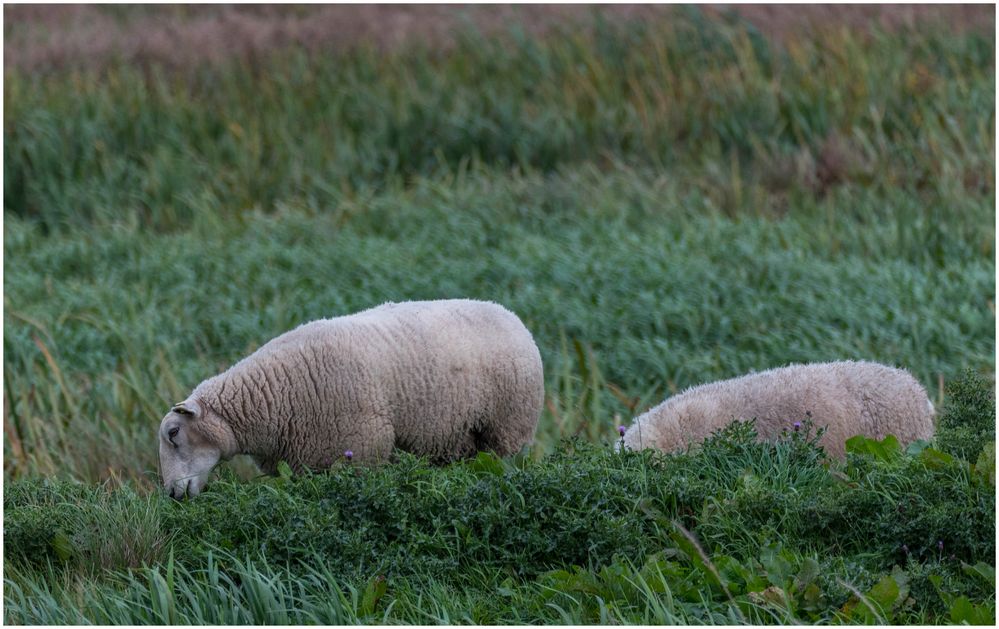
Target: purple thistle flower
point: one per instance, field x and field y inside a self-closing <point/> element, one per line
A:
<point x="621" y="430"/>
<point x="797" y="426"/>
<point x="349" y="454"/>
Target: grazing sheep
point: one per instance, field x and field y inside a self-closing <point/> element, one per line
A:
<point x="444" y="379"/>
<point x="848" y="398"/>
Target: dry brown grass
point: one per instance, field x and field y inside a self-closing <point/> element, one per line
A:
<point x="39" y="38"/>
<point x="46" y="37"/>
<point x="783" y="21"/>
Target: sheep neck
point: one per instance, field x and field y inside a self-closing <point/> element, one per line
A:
<point x="243" y="397"/>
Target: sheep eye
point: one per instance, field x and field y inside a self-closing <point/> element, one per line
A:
<point x="171" y="434"/>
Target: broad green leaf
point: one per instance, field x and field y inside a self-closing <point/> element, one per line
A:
<point x="936" y="580"/>
<point x="62" y="545"/>
<point x="779" y="571"/>
<point x="902" y="579"/>
<point x="506" y="588"/>
<point x="963" y="610"/>
<point x="982" y="569"/>
<point x="916" y="447"/>
<point x="374" y="590"/>
<point x="808" y="572"/>
<point x="812" y="596"/>
<point x="733" y="573"/>
<point x="883" y="450"/>
<point x="934" y="458"/>
<point x="885" y="592"/>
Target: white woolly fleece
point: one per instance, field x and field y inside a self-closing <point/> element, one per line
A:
<point x="848" y="398"/>
<point x="444" y="379"/>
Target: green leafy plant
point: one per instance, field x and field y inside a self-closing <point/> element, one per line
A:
<point x="967" y="425"/>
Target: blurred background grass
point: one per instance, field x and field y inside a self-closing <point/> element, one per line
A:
<point x="665" y="197"/>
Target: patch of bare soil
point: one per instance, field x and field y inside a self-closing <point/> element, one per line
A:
<point x="39" y="38"/>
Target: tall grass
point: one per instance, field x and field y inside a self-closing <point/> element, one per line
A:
<point x="249" y="593"/>
<point x="254" y="592"/>
<point x="629" y="302"/>
<point x="718" y="107"/>
<point x="663" y="204"/>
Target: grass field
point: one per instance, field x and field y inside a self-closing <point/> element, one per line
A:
<point x="663" y="202"/>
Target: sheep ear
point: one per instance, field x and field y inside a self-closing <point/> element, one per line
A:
<point x="188" y="408"/>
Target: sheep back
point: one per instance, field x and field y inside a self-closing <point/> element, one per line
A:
<point x="847" y="398"/>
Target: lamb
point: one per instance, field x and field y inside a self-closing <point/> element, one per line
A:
<point x="443" y="379"/>
<point x="848" y="398"/>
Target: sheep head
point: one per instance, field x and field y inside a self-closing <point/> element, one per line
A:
<point x="193" y="439"/>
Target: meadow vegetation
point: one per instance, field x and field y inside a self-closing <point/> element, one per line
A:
<point x="662" y="202"/>
<point x="733" y="531"/>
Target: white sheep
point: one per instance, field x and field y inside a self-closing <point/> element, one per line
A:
<point x="444" y="379"/>
<point x="847" y="398"/>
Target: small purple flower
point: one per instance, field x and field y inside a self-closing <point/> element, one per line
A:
<point x="349" y="454"/>
<point x="621" y="430"/>
<point x="797" y="426"/>
<point x="905" y="548"/>
<point x="940" y="545"/>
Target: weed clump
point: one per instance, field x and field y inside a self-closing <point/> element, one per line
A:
<point x="968" y="423"/>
